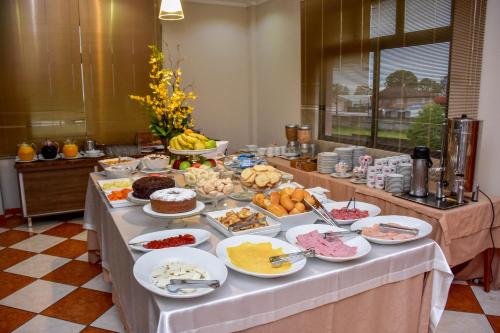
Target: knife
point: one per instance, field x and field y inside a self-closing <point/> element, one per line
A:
<point x="177" y="284"/>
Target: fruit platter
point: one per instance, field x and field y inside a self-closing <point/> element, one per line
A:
<point x="191" y="143"/>
<point x="182" y="163"/>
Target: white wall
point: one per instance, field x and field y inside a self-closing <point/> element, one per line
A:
<point x="277" y="68"/>
<point x="214" y="43"/>
<point x="488" y="161"/>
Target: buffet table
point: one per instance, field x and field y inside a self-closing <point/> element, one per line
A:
<point x="399" y="288"/>
<point x="462" y="233"/>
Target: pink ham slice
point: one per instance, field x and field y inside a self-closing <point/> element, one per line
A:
<point x="334" y="248"/>
<point x="375" y="232"/>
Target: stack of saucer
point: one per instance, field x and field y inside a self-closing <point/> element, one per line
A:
<point x="327" y="161"/>
<point x="93" y="153"/>
<point x="405" y="170"/>
<point x="345" y="155"/>
<point x="394" y="183"/>
<point x="357" y="152"/>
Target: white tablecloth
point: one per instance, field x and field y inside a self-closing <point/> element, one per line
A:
<point x="244" y="301"/>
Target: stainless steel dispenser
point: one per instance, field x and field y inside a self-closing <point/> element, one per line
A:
<point x="463" y="134"/>
<point x="420" y="175"/>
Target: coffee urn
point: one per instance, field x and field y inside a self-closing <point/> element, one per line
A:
<point x="463" y="134"/>
<point x="421" y="157"/>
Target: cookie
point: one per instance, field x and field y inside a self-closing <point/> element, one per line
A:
<point x="262" y="180"/>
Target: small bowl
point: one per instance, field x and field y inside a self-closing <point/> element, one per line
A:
<point x="156" y="164"/>
<point x="124" y="161"/>
<point x="118" y="171"/>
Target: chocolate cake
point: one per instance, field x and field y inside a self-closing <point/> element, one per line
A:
<point x="144" y="187"/>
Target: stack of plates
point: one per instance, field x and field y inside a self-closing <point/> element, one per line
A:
<point x="394" y="183"/>
<point x="93" y="153"/>
<point x="327" y="161"/>
<point x="405" y="170"/>
<point x="345" y="155"/>
<point x="357" y="152"/>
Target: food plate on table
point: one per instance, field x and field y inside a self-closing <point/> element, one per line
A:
<point x="361" y="245"/>
<point x="193" y="263"/>
<point x="339" y="175"/>
<point x="35" y="158"/>
<point x="64" y="157"/>
<point x="424" y="228"/>
<point x="344" y="216"/>
<point x="141" y="243"/>
<point x="133" y="199"/>
<point x="197" y="210"/>
<point x="245" y="252"/>
<point x="222" y="219"/>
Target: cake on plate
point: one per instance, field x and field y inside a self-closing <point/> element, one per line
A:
<point x="145" y="186"/>
<point x="173" y="200"/>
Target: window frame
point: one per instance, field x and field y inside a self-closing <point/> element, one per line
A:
<point x="377" y="45"/>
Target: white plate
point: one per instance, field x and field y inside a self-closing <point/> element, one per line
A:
<point x="273" y="228"/>
<point x="372" y="209"/>
<point x="406" y="221"/>
<point x="338" y="175"/>
<point x="192" y="152"/>
<point x="41" y="158"/>
<point x="154" y="259"/>
<point x="200" y="236"/>
<point x="71" y="158"/>
<point x="103" y="182"/>
<point x="35" y="158"/>
<point x="197" y="210"/>
<point x="131" y="198"/>
<point x="276" y="243"/>
<point x="148" y="171"/>
<point x="363" y="247"/>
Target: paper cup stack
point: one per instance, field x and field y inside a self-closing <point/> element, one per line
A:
<point x="394" y="183"/>
<point x="327" y="162"/>
<point x="357" y="152"/>
<point x="405" y="170"/>
<point x="345" y="155"/>
<point x="379" y="181"/>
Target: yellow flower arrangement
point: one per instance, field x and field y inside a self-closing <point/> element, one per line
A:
<point x="168" y="104"/>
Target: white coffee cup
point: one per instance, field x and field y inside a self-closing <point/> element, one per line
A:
<point x="270" y="151"/>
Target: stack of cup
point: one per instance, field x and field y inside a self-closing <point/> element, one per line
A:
<point x="393" y="162"/>
<point x="345" y="155"/>
<point x="370" y="176"/>
<point x="327" y="162"/>
<point x="357" y="152"/>
<point x="379" y="181"/>
<point x="394" y="183"/>
<point x="405" y="170"/>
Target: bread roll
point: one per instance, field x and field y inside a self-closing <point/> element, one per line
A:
<point x="287" y="190"/>
<point x="294" y="211"/>
<point x="286" y="202"/>
<point x="300" y="207"/>
<point x="277" y="210"/>
<point x="275" y="197"/>
<point x="298" y="195"/>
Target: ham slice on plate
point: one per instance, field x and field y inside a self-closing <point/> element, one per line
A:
<point x="375" y="232"/>
<point x="334" y="248"/>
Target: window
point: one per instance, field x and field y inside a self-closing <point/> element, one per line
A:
<point x="378" y="71"/>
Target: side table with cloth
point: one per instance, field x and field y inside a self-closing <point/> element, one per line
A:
<point x="462" y="233"/>
<point x="399" y="288"/>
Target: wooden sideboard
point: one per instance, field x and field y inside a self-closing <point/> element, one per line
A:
<point x="53" y="187"/>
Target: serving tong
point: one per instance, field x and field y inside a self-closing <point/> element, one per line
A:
<point x="177" y="284"/>
<point x="385" y="227"/>
<point x="322" y="212"/>
<point x="248" y="221"/>
<point x="277" y="261"/>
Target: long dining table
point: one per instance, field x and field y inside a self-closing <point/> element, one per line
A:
<point x="397" y="288"/>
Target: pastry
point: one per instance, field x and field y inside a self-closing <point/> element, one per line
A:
<point x="260" y="177"/>
<point x="298" y="195"/>
<point x="145" y="186"/>
<point x="286" y="202"/>
<point x="173" y="200"/>
<point x="277" y="210"/>
<point x="274" y="197"/>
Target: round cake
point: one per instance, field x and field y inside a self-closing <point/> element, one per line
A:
<point x="145" y="186"/>
<point x="173" y="200"/>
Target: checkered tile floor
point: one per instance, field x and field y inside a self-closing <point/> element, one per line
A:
<point x="47" y="285"/>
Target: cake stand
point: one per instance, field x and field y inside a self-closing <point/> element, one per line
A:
<point x="173" y="217"/>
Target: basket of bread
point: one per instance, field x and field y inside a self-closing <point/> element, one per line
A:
<point x="260" y="177"/>
<point x="287" y="206"/>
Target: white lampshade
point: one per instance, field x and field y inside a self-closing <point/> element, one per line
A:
<point x="171" y="10"/>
